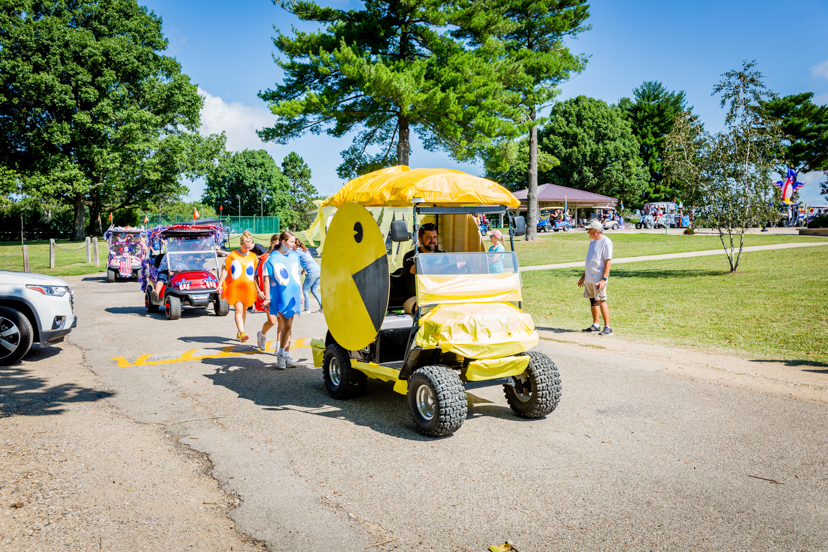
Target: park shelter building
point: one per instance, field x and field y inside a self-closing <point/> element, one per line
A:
<point x="552" y="196"/>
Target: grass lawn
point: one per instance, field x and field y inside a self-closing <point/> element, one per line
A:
<point x="66" y="263"/>
<point x="775" y="307"/>
<point x="572" y="246"/>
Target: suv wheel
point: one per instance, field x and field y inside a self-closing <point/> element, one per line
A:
<point x="537" y="391"/>
<point x="437" y="400"/>
<point x="15" y="336"/>
<point x="341" y="379"/>
<point x="172" y="307"/>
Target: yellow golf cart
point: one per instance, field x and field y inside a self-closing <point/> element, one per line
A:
<point x="467" y="330"/>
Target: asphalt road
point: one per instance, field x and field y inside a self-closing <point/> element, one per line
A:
<point x="633" y="458"/>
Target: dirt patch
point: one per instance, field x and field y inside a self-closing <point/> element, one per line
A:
<point x="77" y="475"/>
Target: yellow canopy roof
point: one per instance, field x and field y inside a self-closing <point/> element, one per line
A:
<point x="396" y="186"/>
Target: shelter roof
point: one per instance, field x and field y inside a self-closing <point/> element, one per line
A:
<point x="552" y="193"/>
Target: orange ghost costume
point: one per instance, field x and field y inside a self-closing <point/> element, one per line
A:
<point x="239" y="286"/>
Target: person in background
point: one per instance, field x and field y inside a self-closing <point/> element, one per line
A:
<point x="283" y="294"/>
<point x="496" y="261"/>
<point x="240" y="291"/>
<point x="596" y="273"/>
<point x="312" y="276"/>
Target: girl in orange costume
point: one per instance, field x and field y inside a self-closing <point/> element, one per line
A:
<point x="241" y="290"/>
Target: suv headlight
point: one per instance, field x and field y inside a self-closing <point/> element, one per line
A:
<point x="53" y="291"/>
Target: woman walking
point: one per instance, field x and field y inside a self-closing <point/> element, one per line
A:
<point x="283" y="295"/>
<point x="496" y="261"/>
<point x="312" y="274"/>
<point x="240" y="289"/>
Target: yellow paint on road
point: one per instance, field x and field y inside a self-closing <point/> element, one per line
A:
<point x="189" y="356"/>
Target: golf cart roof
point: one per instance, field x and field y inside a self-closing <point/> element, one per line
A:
<point x="401" y="186"/>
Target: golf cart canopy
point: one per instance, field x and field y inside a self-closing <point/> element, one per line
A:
<point x="401" y="186"/>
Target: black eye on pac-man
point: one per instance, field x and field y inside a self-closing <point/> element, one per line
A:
<point x="355" y="277"/>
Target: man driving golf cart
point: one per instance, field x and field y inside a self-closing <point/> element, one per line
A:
<point x="466" y="327"/>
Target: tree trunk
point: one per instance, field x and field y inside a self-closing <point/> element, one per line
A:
<point x="532" y="192"/>
<point x="403" y="144"/>
<point x="95" y="220"/>
<point x="80" y="219"/>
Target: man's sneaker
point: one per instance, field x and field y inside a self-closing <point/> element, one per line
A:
<point x="592" y="329"/>
<point x="280" y="362"/>
<point x="289" y="362"/>
<point x="261" y="341"/>
<point x="606" y="331"/>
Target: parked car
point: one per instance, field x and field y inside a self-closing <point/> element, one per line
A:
<point x="34" y="308"/>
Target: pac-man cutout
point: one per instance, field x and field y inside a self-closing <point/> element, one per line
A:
<point x="355" y="278"/>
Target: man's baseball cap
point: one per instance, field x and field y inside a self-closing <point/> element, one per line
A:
<point x="595" y="225"/>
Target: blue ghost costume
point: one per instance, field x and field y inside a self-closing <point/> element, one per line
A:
<point x="285" y="284"/>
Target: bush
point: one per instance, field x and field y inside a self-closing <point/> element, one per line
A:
<point x="819" y="222"/>
<point x="689" y="232"/>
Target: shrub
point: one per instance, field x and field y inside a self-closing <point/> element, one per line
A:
<point x="819" y="222"/>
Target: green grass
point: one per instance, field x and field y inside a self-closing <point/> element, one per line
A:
<point x="572" y="246"/>
<point x="66" y="263"/>
<point x="775" y="307"/>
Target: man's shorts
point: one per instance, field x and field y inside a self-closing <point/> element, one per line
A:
<point x="591" y="292"/>
<point x="163" y="277"/>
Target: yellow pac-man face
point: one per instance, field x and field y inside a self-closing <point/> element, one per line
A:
<point x="355" y="278"/>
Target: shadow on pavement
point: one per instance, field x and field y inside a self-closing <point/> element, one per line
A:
<point x="95" y="278"/>
<point x="128" y="310"/>
<point x="24" y="394"/>
<point x="216" y="339"/>
<point x="800" y="364"/>
<point x="554" y="330"/>
<point x="302" y="389"/>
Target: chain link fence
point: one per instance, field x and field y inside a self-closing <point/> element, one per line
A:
<point x="237" y="225"/>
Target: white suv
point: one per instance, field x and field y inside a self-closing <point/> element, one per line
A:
<point x="33" y="308"/>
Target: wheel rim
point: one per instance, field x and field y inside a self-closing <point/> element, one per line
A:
<point x="334" y="372"/>
<point x="167" y="307"/>
<point x="9" y="337"/>
<point x="523" y="387"/>
<point x="425" y="402"/>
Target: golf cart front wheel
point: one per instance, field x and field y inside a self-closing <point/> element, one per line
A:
<point x="537" y="391"/>
<point x="172" y="307"/>
<point x="437" y="400"/>
<point x="342" y="380"/>
<point x="638" y="226"/>
<point x="566" y="228"/>
<point x="110" y="275"/>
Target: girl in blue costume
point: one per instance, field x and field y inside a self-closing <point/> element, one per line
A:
<point x="283" y="292"/>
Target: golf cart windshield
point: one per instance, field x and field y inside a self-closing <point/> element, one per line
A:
<point x="467" y="278"/>
<point x="190" y="253"/>
<point x="467" y="263"/>
<point x="124" y="243"/>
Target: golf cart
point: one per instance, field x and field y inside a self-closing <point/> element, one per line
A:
<point x="126" y="252"/>
<point x="183" y="257"/>
<point x="651" y="219"/>
<point x="550" y="223"/>
<point x="608" y="217"/>
<point x="467" y="329"/>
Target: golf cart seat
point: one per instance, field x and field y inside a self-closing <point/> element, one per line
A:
<point x="397" y="294"/>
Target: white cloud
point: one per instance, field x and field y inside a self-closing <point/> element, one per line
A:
<point x="810" y="192"/>
<point x="820" y="70"/>
<point x="237" y="120"/>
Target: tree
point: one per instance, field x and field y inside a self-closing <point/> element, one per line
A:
<point x="728" y="174"/>
<point x="513" y="175"/>
<point x="805" y="125"/>
<point x="652" y="113"/>
<point x="302" y="191"/>
<point x="596" y="149"/>
<point x="254" y="177"/>
<point x="380" y="72"/>
<point x="532" y="33"/>
<point x="92" y="113"/>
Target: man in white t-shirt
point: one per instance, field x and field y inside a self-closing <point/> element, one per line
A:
<point x="596" y="272"/>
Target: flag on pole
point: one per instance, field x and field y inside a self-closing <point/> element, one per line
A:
<point x="195" y="213"/>
<point x="146" y="219"/>
<point x="110" y="216"/>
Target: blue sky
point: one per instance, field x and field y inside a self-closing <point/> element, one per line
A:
<point x="226" y="49"/>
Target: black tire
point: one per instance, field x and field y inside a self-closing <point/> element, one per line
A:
<point x="566" y="228"/>
<point x="172" y="307"/>
<point x="638" y="226"/>
<point x="110" y="275"/>
<point x="148" y="305"/>
<point x="221" y="307"/>
<point x="538" y="389"/>
<point x="556" y="229"/>
<point x="17" y="335"/>
<point x="437" y="400"/>
<point x="341" y="379"/>
<point x="615" y="226"/>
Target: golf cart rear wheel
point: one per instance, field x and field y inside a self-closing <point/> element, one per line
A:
<point x="437" y="400"/>
<point x="221" y="307"/>
<point x="15" y="336"/>
<point x="342" y="380"/>
<point x="148" y="304"/>
<point x="638" y="226"/>
<point x="172" y="307"/>
<point x="110" y="275"/>
<point x="537" y="391"/>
